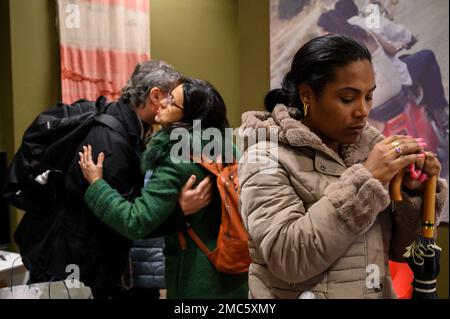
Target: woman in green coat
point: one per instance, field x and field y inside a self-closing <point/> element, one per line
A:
<point x="188" y="272"/>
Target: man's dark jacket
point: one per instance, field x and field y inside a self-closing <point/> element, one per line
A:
<point x="73" y="235"/>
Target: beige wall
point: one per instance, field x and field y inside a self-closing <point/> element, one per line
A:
<point x="6" y="114"/>
<point x="223" y="41"/>
<point x="34" y="61"/>
<point x="254" y="64"/>
<point x="200" y="39"/>
<point x="32" y="77"/>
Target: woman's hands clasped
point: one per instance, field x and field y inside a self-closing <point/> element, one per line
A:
<point x="419" y="172"/>
<point x="398" y="152"/>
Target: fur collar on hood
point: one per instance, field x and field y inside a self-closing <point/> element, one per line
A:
<point x="291" y="131"/>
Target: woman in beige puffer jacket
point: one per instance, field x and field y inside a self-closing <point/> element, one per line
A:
<point x="315" y="199"/>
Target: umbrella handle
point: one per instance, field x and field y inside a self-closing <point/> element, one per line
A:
<point x="395" y="187"/>
<point x="429" y="211"/>
<point x="429" y="201"/>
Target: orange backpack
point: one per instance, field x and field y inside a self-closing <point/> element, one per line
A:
<point x="231" y="254"/>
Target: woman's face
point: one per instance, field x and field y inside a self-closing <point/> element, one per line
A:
<point x="171" y="109"/>
<point x="339" y="114"/>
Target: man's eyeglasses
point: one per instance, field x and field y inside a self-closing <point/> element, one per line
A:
<point x="171" y="101"/>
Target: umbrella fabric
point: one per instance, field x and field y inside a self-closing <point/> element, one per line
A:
<point x="423" y="258"/>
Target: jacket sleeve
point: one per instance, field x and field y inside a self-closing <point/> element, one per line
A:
<point x="298" y="244"/>
<point x="139" y="218"/>
<point x="407" y="220"/>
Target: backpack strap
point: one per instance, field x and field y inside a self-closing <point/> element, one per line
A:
<point x="100" y="103"/>
<point x="113" y="123"/>
<point x="106" y="119"/>
<point x="198" y="241"/>
<point x="200" y="244"/>
<point x="214" y="167"/>
<point x="182" y="240"/>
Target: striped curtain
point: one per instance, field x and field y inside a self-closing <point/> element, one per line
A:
<point x="101" y="41"/>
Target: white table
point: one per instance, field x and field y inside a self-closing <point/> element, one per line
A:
<point x="19" y="272"/>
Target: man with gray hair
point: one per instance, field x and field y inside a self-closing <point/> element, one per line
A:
<point x="76" y="239"/>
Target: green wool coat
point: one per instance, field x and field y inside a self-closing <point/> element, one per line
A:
<point x="188" y="273"/>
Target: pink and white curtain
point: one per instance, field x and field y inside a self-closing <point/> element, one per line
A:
<point x="101" y="41"/>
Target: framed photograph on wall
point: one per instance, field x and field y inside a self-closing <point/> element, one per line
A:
<point x="408" y="40"/>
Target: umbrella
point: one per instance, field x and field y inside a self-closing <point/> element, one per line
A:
<point x="422" y="255"/>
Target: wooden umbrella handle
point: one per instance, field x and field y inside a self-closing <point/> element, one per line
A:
<point x="395" y="187"/>
<point x="429" y="209"/>
<point x="429" y="201"/>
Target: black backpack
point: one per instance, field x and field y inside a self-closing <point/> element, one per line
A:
<point x="48" y="146"/>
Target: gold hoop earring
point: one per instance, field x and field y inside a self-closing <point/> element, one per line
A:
<point x="305" y="109"/>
